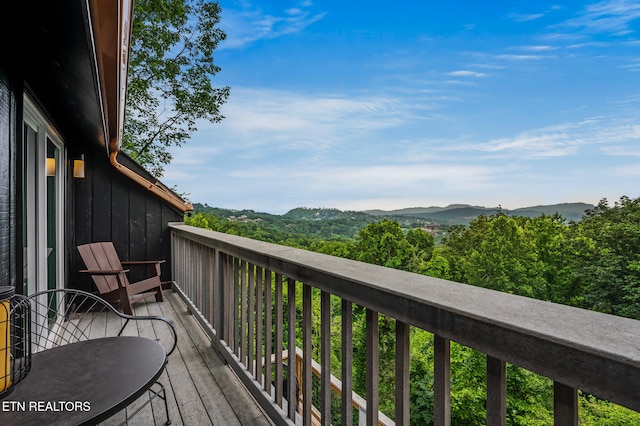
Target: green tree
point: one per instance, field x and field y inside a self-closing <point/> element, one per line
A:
<point x="383" y="243"/>
<point x="170" y="69"/>
<point x="423" y="245"/>
<point x="550" y="237"/>
<point x="605" y="249"/>
<point x="201" y="220"/>
<point x="495" y="252"/>
<point x="437" y="266"/>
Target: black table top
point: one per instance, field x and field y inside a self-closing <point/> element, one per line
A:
<point x="85" y="382"/>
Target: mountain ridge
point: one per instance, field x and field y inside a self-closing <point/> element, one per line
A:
<point x="453" y="214"/>
<point x="463" y="213"/>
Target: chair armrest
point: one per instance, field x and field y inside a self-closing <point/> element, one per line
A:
<point x="104" y="272"/>
<point x="142" y="262"/>
<point x="68" y="308"/>
<point x="169" y="341"/>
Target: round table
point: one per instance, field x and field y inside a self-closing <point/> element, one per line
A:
<point x="85" y="382"/>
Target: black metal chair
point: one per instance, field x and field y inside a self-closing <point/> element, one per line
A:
<point x="64" y="316"/>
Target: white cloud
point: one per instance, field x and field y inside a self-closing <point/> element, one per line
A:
<point x="609" y="16"/>
<point x="560" y="140"/>
<point x="536" y="48"/>
<point x="288" y="120"/>
<point x="588" y="44"/>
<point x="466" y="73"/>
<point x="522" y="57"/>
<point x="252" y="23"/>
<point x="533" y="146"/>
<point x="526" y="17"/>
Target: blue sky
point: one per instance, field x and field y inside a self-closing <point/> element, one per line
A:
<point x="361" y="105"/>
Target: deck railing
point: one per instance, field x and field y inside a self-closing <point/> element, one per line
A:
<point x="244" y="293"/>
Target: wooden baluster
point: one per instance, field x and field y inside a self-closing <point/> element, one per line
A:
<point x="268" y="336"/>
<point x="292" y="398"/>
<point x="325" y="357"/>
<point x="565" y="405"/>
<point x="259" y="322"/>
<point x="243" y="312"/>
<point x="373" y="364"/>
<point x="278" y="339"/>
<point x="307" y="355"/>
<point x="441" y="381"/>
<point x="347" y="362"/>
<point x="251" y="317"/>
<point x="402" y="373"/>
<point x="496" y="392"/>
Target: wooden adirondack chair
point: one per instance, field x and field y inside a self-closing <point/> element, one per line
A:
<point x="110" y="277"/>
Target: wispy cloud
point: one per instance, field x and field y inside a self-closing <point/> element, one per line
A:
<point x="535" y="48"/>
<point x="526" y="17"/>
<point x="533" y="146"/>
<point x="322" y="118"/>
<point x="466" y="73"/>
<point x="588" y="44"/>
<point x="610" y="16"/>
<point x="563" y="140"/>
<point x="252" y="23"/>
<point x="303" y="128"/>
<point x="522" y="57"/>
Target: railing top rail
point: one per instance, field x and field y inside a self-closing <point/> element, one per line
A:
<point x="595" y="352"/>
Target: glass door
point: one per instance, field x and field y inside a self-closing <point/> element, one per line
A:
<point x="43" y="189"/>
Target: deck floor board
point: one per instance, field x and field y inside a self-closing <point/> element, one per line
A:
<point x="201" y="389"/>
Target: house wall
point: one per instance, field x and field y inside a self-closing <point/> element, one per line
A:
<point x="9" y="254"/>
<point x="108" y="206"/>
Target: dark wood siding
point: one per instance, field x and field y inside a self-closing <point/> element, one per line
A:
<point x="111" y="207"/>
<point x="10" y="256"/>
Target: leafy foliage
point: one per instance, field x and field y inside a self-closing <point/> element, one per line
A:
<point x="605" y="250"/>
<point x="169" y="84"/>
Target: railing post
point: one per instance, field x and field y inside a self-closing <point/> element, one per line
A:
<point x="292" y="398"/>
<point x="441" y="381"/>
<point x="218" y="292"/>
<point x="174" y="257"/>
<point x="496" y="392"/>
<point x="244" y="307"/>
<point x="402" y="373"/>
<point x="278" y="340"/>
<point x="307" y="355"/>
<point x="234" y="297"/>
<point x="259" y="321"/>
<point x="325" y="357"/>
<point x="373" y="365"/>
<point x="347" y="362"/>
<point x="565" y="405"/>
<point x="268" y="326"/>
<point x="251" y="320"/>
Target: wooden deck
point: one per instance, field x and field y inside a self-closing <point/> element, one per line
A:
<point x="201" y="389"/>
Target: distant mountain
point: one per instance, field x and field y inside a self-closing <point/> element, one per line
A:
<point x="421" y="211"/>
<point x="570" y="211"/>
<point x="325" y="221"/>
<point x="465" y="213"/>
<point x="322" y="214"/>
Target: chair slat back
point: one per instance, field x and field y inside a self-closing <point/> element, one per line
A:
<point x="102" y="256"/>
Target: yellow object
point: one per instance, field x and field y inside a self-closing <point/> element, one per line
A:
<point x="5" y="346"/>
